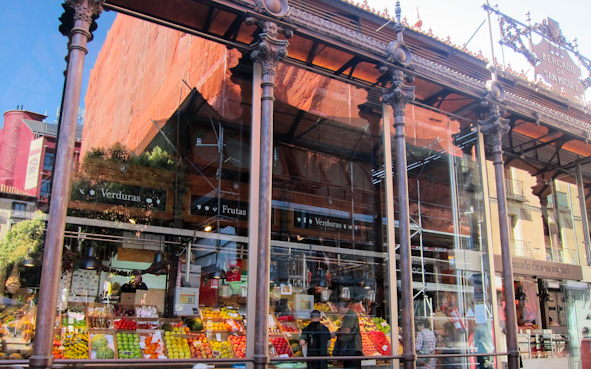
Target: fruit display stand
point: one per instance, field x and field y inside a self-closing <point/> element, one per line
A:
<point x="324" y="307"/>
<point x="290" y="327"/>
<point x="102" y="344"/>
<point x="124" y="323"/>
<point x="222" y="349"/>
<point x="199" y="346"/>
<point x="280" y="344"/>
<point x="238" y="345"/>
<point x="128" y="346"/>
<point x="74" y="341"/>
<point x="147" y="323"/>
<point x="18" y="331"/>
<point x="152" y="344"/>
<point x="99" y="316"/>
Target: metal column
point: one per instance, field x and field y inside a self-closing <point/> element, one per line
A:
<point x="83" y="13"/>
<point x="584" y="218"/>
<point x="267" y="51"/>
<point x="494" y="128"/>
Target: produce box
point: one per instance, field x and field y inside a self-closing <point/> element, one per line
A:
<point x="380" y="342"/>
<point x="369" y="348"/>
<point x="177" y="345"/>
<point x="274" y="326"/>
<point x="75" y="343"/>
<point x="147" y="323"/>
<point x="124" y="310"/>
<point x="102" y="344"/>
<point x="366" y="323"/>
<point x="168" y="324"/>
<point x="152" y="345"/>
<point x="281" y="345"/>
<point x="238" y="345"/>
<point x="222" y="349"/>
<point x="128" y="345"/>
<point x="290" y="327"/>
<point x="125" y="323"/>
<point x="210" y="313"/>
<point x="199" y="346"/>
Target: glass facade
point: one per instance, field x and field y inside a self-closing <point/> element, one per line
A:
<point x="158" y="246"/>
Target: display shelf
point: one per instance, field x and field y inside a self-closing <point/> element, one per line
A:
<point x="199" y="346"/>
<point x="281" y="346"/>
<point x="127" y="342"/>
<point x="290" y="327"/>
<point x="109" y="335"/>
<point x="152" y="345"/>
<point x="124" y="323"/>
<point x="222" y="349"/>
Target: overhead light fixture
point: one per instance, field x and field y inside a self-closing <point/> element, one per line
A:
<point x="29" y="263"/>
<point x="131" y="220"/>
<point x="90" y="261"/>
<point x="208" y="228"/>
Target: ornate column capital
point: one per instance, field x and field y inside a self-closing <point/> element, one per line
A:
<point x="86" y="10"/>
<point x="269" y="49"/>
<point x="397" y="95"/>
<point x="493" y="126"/>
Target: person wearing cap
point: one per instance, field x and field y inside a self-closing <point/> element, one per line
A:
<point x="315" y="336"/>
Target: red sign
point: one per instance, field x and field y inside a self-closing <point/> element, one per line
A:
<point x="558" y="69"/>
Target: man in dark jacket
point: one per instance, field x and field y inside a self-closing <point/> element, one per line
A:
<point x="316" y="337"/>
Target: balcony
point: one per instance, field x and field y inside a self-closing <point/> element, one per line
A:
<point x="21" y="214"/>
<point x="524" y="249"/>
<point x="514" y="190"/>
<point x="566" y="256"/>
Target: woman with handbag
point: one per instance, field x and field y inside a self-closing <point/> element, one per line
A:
<point x="348" y="337"/>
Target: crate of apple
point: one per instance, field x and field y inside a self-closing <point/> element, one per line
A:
<point x="125" y="324"/>
<point x="128" y="346"/>
<point x="290" y="327"/>
<point x="199" y="347"/>
<point x="281" y="346"/>
<point x="239" y="345"/>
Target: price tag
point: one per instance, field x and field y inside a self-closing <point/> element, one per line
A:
<point x="284" y="355"/>
<point x="215" y="353"/>
<point x="385" y="348"/>
<point x="127" y="352"/>
<point x="384" y="324"/>
<point x="218" y="336"/>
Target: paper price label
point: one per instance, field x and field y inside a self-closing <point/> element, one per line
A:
<point x="384" y="324"/>
<point x="284" y="355"/>
<point x="216" y="353"/>
<point x="385" y="348"/>
<point x="218" y="336"/>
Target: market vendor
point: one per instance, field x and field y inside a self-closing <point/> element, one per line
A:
<point x="134" y="284"/>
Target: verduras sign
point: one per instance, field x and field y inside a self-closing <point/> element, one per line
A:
<point x="120" y="194"/>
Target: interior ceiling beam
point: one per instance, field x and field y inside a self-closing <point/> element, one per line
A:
<point x="561" y="140"/>
<point x="212" y="12"/>
<point x="312" y="53"/>
<point x="296" y="123"/>
<point x="438" y="97"/>
<point x="352" y="63"/>
<point x="467" y="108"/>
<point x="232" y="31"/>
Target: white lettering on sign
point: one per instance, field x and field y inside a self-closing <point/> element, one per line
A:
<point x="119" y="195"/>
<point x="327" y="223"/>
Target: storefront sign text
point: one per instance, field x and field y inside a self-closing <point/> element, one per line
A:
<point x="119" y="194"/>
<point x="542" y="269"/>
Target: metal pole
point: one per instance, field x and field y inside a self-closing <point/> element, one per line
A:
<point x="267" y="51"/>
<point x="390" y="231"/>
<point x="398" y="95"/>
<point x="494" y="128"/>
<point x="584" y="219"/>
<point x="84" y="10"/>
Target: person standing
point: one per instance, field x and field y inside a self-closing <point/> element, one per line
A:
<point x="316" y="337"/>
<point x="134" y="284"/>
<point x="425" y="345"/>
<point x="586" y="349"/>
<point x="349" y="337"/>
<point x="482" y="337"/>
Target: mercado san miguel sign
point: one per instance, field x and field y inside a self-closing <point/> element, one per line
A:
<point x="558" y="69"/>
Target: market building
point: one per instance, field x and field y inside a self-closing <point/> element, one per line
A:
<point x="255" y="160"/>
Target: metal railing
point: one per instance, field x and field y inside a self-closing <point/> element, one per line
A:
<point x="524" y="249"/>
<point x="514" y="190"/>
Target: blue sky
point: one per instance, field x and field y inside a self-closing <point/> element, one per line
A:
<point x="32" y="52"/>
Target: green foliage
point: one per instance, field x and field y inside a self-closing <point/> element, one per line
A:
<point x="157" y="158"/>
<point x="23" y="239"/>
